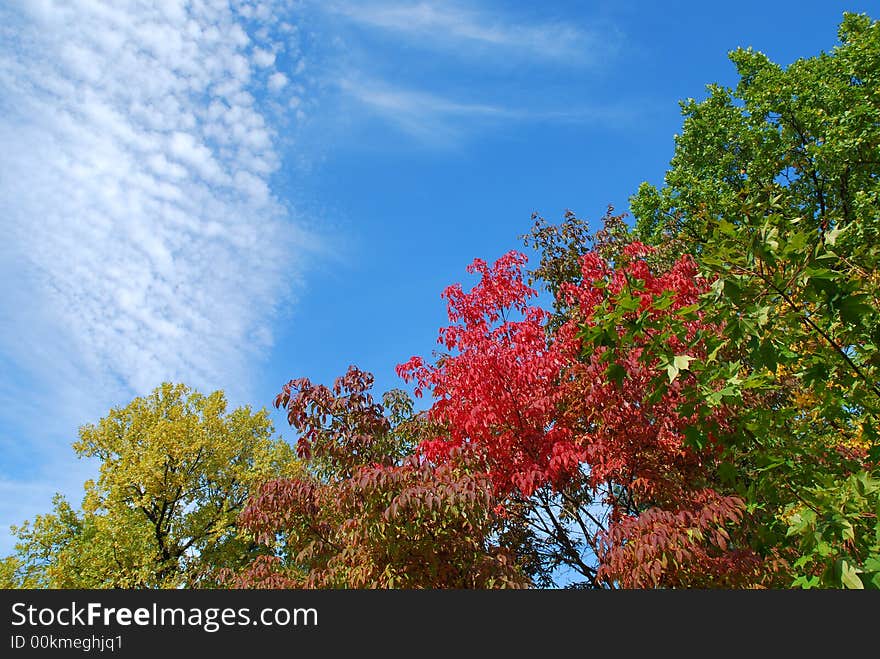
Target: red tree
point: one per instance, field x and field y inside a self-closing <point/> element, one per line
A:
<point x="369" y="513"/>
<point x="586" y="418"/>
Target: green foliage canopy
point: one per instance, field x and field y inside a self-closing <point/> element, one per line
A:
<point x="176" y="470"/>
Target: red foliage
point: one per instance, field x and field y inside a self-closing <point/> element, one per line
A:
<point x="631" y="436"/>
<point x="538" y="405"/>
<point x="531" y="402"/>
<point x="690" y="547"/>
<point x="501" y="392"/>
<point x="368" y="513"/>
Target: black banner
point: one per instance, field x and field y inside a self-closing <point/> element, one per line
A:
<point x="410" y="623"/>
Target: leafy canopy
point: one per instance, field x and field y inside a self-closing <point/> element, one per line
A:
<point x="176" y="469"/>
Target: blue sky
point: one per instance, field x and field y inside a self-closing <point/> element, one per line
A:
<point x="234" y="193"/>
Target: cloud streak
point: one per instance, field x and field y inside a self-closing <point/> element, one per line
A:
<point x="395" y="61"/>
<point x="449" y="25"/>
<point x="425" y="116"/>
<point x="438" y="120"/>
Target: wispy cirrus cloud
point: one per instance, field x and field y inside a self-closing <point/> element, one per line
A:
<point x="441" y="121"/>
<point x="450" y="25"/>
<point x="142" y="238"/>
<point x="397" y="59"/>
<point x="429" y="117"/>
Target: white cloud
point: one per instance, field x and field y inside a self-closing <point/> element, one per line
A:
<point x="427" y="116"/>
<point x="437" y="120"/>
<point x="277" y="81"/>
<point x="263" y="58"/>
<point x="451" y="25"/>
<point x="403" y="62"/>
<point x="142" y="241"/>
<point x="405" y="102"/>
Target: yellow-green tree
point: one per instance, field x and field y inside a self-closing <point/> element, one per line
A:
<point x="176" y="470"/>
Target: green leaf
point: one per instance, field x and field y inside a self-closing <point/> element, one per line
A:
<point x="853" y="308"/>
<point x="694" y="437"/>
<point x="821" y="273"/>
<point x="849" y="576"/>
<point x="832" y="236"/>
<point x="727" y="228"/>
<point x="733" y="290"/>
<point x="682" y="362"/>
<point x="806" y="582"/>
<point x="727" y="472"/>
<point x="616" y="373"/>
<point x="762" y="316"/>
<point x="688" y="311"/>
<point x="628" y="302"/>
<point x="768" y="356"/>
<point x="663" y="302"/>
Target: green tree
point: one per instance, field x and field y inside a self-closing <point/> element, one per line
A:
<point x="176" y="470"/>
<point x="775" y="188"/>
<point x="807" y="134"/>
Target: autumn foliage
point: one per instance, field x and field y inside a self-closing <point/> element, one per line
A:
<point x="598" y="438"/>
<point x="688" y="401"/>
<point x="534" y="425"/>
<point x="370" y="513"/>
<point x="499" y="394"/>
<point x="549" y="407"/>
